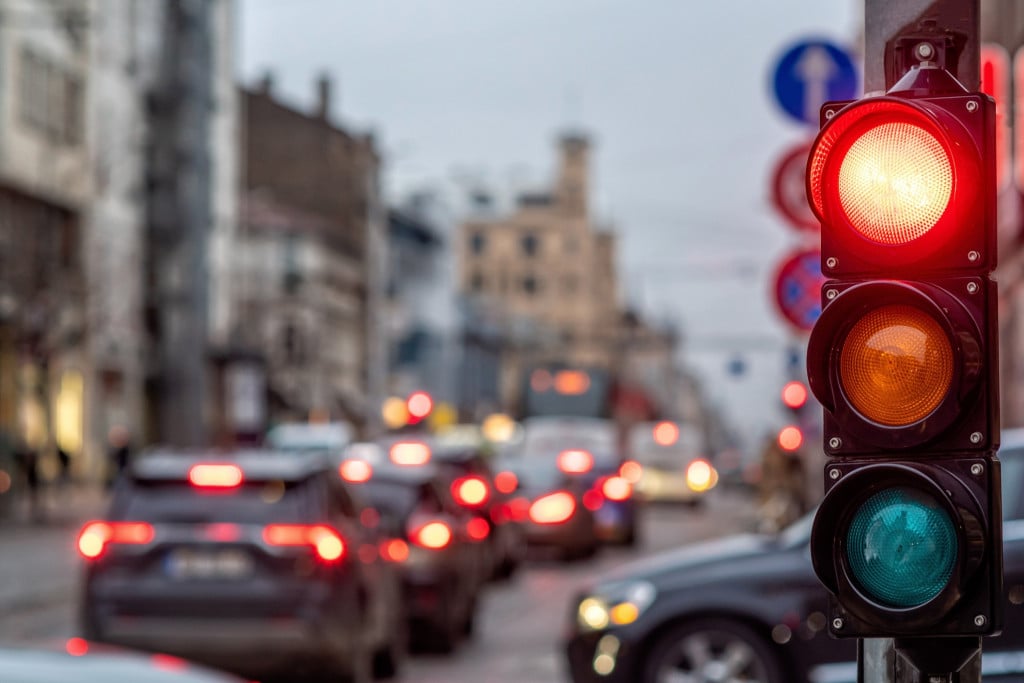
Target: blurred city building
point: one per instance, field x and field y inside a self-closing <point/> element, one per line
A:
<point x="306" y="264"/>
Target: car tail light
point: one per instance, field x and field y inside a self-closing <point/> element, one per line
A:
<point x="631" y="471"/>
<point x="575" y="461"/>
<point x="95" y="536"/>
<point x="394" y="550"/>
<point x="77" y="647"/>
<point x="410" y="453"/>
<point x="325" y="541"/>
<point x="471" y="491"/>
<point x="478" y="529"/>
<point x="433" y="535"/>
<point x="593" y="499"/>
<point x="616" y="489"/>
<point x="518" y="509"/>
<point x="215" y="476"/>
<point x="506" y="481"/>
<point x="554" y="508"/>
<point x="355" y="471"/>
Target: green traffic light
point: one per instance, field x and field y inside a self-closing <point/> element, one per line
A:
<point x="901" y="547"/>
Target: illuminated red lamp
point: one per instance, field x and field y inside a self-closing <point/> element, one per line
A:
<point x="791" y="438"/>
<point x="575" y="461"/>
<point x="435" y="535"/>
<point x="215" y="476"/>
<point x="410" y="453"/>
<point x="899" y="174"/>
<point x="96" y="536"/>
<point x="666" y="433"/>
<point x="419" y="404"/>
<point x="77" y="647"/>
<point x="794" y="395"/>
<point x="325" y="541"/>
<point x="616" y="489"/>
<point x="506" y="482"/>
<point x="554" y="508"/>
<point x="355" y="471"/>
<point x="470" y="491"/>
<point x="478" y="529"/>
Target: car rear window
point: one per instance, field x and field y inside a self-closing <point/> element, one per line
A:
<point x="392" y="498"/>
<point x="252" y="502"/>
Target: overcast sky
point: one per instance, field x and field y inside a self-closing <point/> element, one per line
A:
<point x="674" y="92"/>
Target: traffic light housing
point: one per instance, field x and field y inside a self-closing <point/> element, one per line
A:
<point x="904" y="360"/>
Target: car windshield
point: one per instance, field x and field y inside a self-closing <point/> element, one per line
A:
<point x="250" y="503"/>
<point x="394" y="498"/>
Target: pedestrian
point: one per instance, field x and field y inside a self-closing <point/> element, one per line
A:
<point x="27" y="459"/>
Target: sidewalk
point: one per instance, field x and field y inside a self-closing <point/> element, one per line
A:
<point x="39" y="562"/>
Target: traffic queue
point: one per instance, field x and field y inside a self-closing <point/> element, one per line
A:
<point x="330" y="561"/>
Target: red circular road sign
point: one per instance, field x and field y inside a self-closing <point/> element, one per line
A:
<point x="789" y="189"/>
<point x="798" y="288"/>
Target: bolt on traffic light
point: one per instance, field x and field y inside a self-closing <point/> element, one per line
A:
<point x="904" y="361"/>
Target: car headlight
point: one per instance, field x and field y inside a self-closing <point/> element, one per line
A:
<point x="615" y="605"/>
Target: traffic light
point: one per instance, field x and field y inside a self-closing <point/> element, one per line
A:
<point x="908" y="538"/>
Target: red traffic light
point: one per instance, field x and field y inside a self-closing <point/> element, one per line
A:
<point x="902" y="182"/>
<point x="420" y="405"/>
<point x="794" y="395"/>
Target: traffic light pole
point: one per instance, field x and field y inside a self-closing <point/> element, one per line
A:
<point x="891" y="28"/>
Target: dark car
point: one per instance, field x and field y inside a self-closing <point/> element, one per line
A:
<point x="588" y="450"/>
<point x="434" y="541"/>
<point x="79" y="661"/>
<point x="477" y="487"/>
<point x="255" y="563"/>
<point x="553" y="507"/>
<point x="750" y="608"/>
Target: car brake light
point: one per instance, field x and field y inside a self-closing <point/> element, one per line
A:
<point x="471" y="491"/>
<point x="222" y="532"/>
<point x="478" y="529"/>
<point x="394" y="550"/>
<point x="410" y="453"/>
<point x="593" y="499"/>
<point x="215" y="476"/>
<point x="77" y="647"/>
<point x="575" y="461"/>
<point x="506" y="481"/>
<point x="631" y="471"/>
<point x="324" y="540"/>
<point x="554" y="508"/>
<point x="518" y="509"/>
<point x="433" y="535"/>
<point x="355" y="471"/>
<point x="616" y="489"/>
<point x="95" y="536"/>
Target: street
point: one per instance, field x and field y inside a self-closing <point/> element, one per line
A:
<point x="520" y="623"/>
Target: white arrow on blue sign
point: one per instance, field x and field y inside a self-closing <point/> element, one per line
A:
<point x="810" y="73"/>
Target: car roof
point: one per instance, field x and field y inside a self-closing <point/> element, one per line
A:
<point x="399" y="474"/>
<point x="258" y="465"/>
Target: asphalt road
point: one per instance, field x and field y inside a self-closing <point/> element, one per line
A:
<point x="519" y="626"/>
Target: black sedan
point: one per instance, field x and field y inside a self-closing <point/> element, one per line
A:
<point x="750" y="608"/>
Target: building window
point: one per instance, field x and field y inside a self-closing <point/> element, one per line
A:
<point x="531" y="285"/>
<point x="477" y="242"/>
<point x="50" y="99"/>
<point x="530" y="243"/>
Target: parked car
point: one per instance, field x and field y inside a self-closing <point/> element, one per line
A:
<point x="253" y="563"/>
<point x="80" y="661"/>
<point x="750" y="608"/>
<point x="555" y="508"/>
<point x="436" y="544"/>
<point x="587" y="449"/>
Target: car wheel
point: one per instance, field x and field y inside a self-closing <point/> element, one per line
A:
<point x="712" y="650"/>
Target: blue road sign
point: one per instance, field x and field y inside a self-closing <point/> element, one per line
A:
<point x="798" y="288"/>
<point x="811" y="73"/>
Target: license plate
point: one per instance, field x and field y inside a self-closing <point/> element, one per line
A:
<point x="188" y="564"/>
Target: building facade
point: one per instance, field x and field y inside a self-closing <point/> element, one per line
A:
<point x="307" y="279"/>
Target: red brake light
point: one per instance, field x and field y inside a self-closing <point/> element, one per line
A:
<point x="77" y="647"/>
<point x="394" y="550"/>
<point x="324" y="540"/>
<point x="506" y="481"/>
<point x="215" y="476"/>
<point x="222" y="532"/>
<point x="666" y="433"/>
<point x="617" y="489"/>
<point x="518" y="509"/>
<point x="95" y="536"/>
<point x="478" y="529"/>
<point x="554" y="508"/>
<point x="433" y="535"/>
<point x="471" y="491"/>
<point x="355" y="471"/>
<point x="575" y="461"/>
<point x="631" y="471"/>
<point x="410" y="453"/>
<point x="593" y="500"/>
